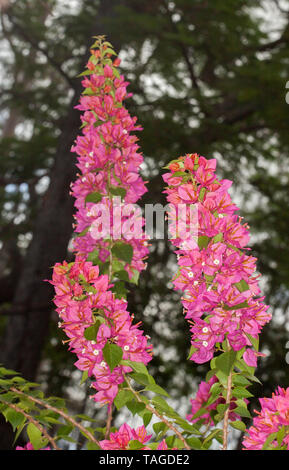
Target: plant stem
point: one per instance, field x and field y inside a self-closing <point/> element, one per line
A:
<point x="35" y="422"/>
<point x="226" y="416"/>
<point x="108" y="421"/>
<point x="156" y="413"/>
<point x="61" y="413"/>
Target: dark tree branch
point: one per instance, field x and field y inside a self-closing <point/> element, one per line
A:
<point x="71" y="82"/>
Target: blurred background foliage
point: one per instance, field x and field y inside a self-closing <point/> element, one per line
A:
<point x="208" y="77"/>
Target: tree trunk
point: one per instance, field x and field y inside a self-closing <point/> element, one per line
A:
<point x="27" y="327"/>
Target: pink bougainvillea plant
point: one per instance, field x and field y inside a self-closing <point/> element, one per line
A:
<point x="216" y="278"/>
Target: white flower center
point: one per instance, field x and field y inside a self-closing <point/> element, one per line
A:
<point x="191" y="275"/>
<point x="205" y="343"/>
<point x="126" y="348"/>
<point x="96" y="352"/>
<point x="216" y="262"/>
<point x="205" y="329"/>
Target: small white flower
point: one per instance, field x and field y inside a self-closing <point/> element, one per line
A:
<point x="91" y="154"/>
<point x="191" y="275"/>
<point x="216" y="262"/>
<point x="203" y="263"/>
<point x="205" y="343"/>
<point x="93" y="342"/>
<point x="103" y="364"/>
<point x="126" y="347"/>
<point x="196" y="283"/>
<point x="96" y="352"/>
<point x="205" y="329"/>
<point x="84" y="179"/>
<point x="83" y="351"/>
<point x="86" y="165"/>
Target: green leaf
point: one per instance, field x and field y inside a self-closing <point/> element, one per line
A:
<point x="84" y="232"/>
<point x="241" y="392"/>
<point x="112" y="355"/>
<point x="118" y="191"/>
<point x="93" y="197"/>
<point x="86" y="72"/>
<point x="218" y="238"/>
<point x="84" y="377"/>
<point x="225" y="361"/>
<point x="254" y="341"/>
<point x="122" y="398"/>
<point x="140" y="378"/>
<point x="162" y="405"/>
<point x="240" y="380"/>
<point x="242" y="286"/>
<point x="238" y="425"/>
<point x="202" y="194"/>
<point x="35" y="436"/>
<point x="269" y="440"/>
<point x="138" y="367"/>
<point x="135" y="277"/>
<point x="241" y="409"/>
<point x="147" y="418"/>
<point x="64" y="431"/>
<point x="191" y="351"/>
<point x="203" y="241"/>
<point x="156" y="389"/>
<point x="119" y="289"/>
<point x="14" y="417"/>
<point x="92" y="446"/>
<point x="90" y="333"/>
<point x="93" y="257"/>
<point x="159" y="427"/>
<point x="170" y="441"/>
<point x="123" y="251"/>
<point x="194" y="443"/>
<point x="135" y="407"/>
<point x="200" y="412"/>
<point x="135" y="445"/>
<point x="180" y="173"/>
<point x="213" y="435"/>
<point x="222" y="408"/>
<point x="237" y="306"/>
<point x="122" y="275"/>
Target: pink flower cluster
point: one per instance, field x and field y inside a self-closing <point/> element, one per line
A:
<point x="120" y="439"/>
<point x="216" y="273"/>
<point x="271" y="423"/>
<point x="202" y="396"/>
<point x="29" y="446"/>
<point x="83" y="300"/>
<point x="109" y="164"/>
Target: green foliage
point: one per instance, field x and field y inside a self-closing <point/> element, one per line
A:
<point x="203" y="80"/>
<point x="45" y="421"/>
